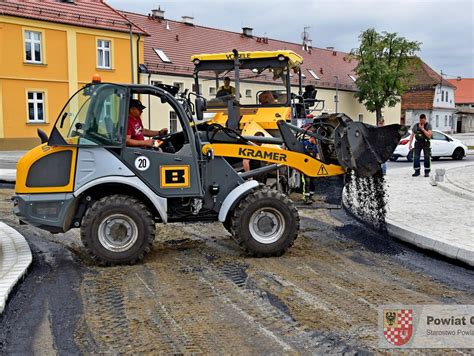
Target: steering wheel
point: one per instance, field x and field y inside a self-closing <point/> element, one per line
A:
<point x="165" y="144"/>
<point x="163" y="138"/>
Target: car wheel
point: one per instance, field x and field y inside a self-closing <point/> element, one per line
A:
<point x="458" y="154"/>
<point x="410" y="156"/>
<point x="117" y="230"/>
<point x="265" y="223"/>
<point x="435" y="158"/>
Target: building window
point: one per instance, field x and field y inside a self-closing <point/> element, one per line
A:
<point x="446" y="96"/>
<point x="445" y="120"/>
<point x="212" y="91"/>
<point x="179" y="85"/>
<point x="313" y="74"/>
<point x="156" y="82"/>
<point x="35" y="106"/>
<point x="162" y="55"/>
<point x="442" y="95"/>
<point x="437" y="120"/>
<point x="248" y="93"/>
<point x="33" y="50"/>
<point x="173" y="122"/>
<point x="361" y="117"/>
<point x="103" y="54"/>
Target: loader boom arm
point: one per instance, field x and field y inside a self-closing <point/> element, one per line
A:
<point x="306" y="164"/>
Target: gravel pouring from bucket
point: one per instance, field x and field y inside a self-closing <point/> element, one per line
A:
<point x="363" y="148"/>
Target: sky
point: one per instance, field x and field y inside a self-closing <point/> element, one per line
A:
<point x="445" y="28"/>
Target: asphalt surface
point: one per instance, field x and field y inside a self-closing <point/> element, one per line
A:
<point x="197" y="293"/>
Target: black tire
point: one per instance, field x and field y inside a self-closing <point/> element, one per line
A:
<point x="107" y="221"/>
<point x="435" y="158"/>
<point x="270" y="234"/>
<point x="458" y="154"/>
<point x="410" y="156"/>
<point x="393" y="158"/>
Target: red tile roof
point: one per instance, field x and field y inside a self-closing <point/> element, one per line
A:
<point x="183" y="40"/>
<point x="464" y="93"/>
<point x="425" y="76"/>
<point x="418" y="99"/>
<point x="87" y="13"/>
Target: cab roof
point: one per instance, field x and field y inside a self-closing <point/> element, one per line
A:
<point x="294" y="60"/>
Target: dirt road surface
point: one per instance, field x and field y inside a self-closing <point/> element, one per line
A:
<point x="197" y="293"/>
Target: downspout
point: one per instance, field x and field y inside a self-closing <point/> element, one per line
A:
<point x="149" y="102"/>
<point x="138" y="58"/>
<point x="131" y="54"/>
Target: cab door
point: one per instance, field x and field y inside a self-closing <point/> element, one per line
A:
<point x="172" y="171"/>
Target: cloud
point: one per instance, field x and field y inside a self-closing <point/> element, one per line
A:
<point x="446" y="28"/>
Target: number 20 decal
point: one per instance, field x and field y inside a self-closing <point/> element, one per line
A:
<point x="142" y="163"/>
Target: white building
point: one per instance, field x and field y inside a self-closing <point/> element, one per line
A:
<point x="430" y="95"/>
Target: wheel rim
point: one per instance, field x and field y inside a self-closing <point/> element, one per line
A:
<point x="267" y="225"/>
<point x="118" y="232"/>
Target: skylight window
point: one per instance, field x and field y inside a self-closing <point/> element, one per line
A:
<point x="352" y="77"/>
<point x="162" y="55"/>
<point x="313" y="74"/>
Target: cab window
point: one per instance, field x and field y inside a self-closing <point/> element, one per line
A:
<point x="92" y="116"/>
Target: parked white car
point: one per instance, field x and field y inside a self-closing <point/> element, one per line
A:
<point x="442" y="145"/>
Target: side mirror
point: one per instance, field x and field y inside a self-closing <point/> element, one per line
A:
<point x="201" y="106"/>
<point x="42" y="135"/>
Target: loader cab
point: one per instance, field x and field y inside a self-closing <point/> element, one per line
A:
<point x="263" y="83"/>
<point x="96" y="117"/>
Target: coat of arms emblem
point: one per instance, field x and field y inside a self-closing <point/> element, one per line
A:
<point x="397" y="325"/>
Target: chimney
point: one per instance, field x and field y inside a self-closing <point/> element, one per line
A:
<point x="307" y="42"/>
<point x="188" y="20"/>
<point x="158" y="14"/>
<point x="247" y="31"/>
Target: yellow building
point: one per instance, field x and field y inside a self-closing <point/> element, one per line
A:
<point x="49" y="50"/>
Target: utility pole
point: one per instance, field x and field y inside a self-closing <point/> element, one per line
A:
<point x="336" y="97"/>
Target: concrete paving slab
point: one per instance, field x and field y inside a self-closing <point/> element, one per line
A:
<point x="7" y="175"/>
<point x="15" y="258"/>
<point x="432" y="217"/>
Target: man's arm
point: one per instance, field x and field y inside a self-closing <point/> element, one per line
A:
<point x="138" y="143"/>
<point x="151" y="133"/>
<point x="246" y="164"/>
<point x="411" y="140"/>
<point x="428" y="133"/>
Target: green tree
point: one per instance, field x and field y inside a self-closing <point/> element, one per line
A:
<point x="383" y="68"/>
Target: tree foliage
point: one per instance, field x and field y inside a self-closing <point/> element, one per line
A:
<point x="382" y="68"/>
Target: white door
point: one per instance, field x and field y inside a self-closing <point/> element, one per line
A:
<point x="439" y="145"/>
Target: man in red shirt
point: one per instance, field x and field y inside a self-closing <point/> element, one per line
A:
<point x="135" y="131"/>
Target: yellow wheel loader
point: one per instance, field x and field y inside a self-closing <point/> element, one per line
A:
<point x="83" y="175"/>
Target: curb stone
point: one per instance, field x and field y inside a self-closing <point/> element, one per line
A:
<point x="409" y="235"/>
<point x="15" y="258"/>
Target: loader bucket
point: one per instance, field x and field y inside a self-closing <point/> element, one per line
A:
<point x="363" y="148"/>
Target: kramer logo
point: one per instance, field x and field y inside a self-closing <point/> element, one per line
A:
<point x="398" y="326"/>
<point x="271" y="156"/>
